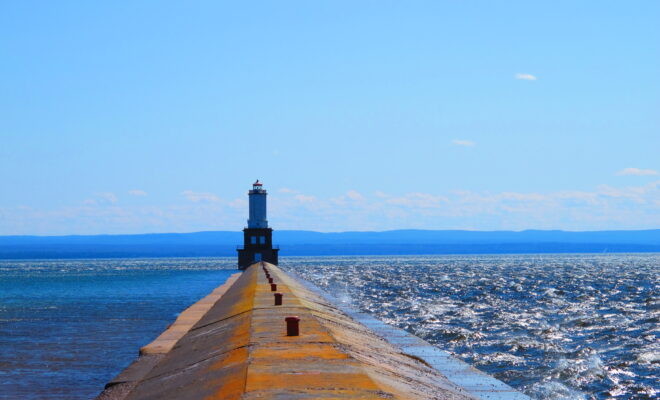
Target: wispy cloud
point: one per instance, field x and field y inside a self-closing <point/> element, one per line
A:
<point x="525" y="77"/>
<point x="305" y="199"/>
<point x="115" y="219"/>
<point x="107" y="197"/>
<point x="419" y="200"/>
<point x="137" y="192"/>
<point x="241" y="204"/>
<point x="101" y="199"/>
<point x="603" y="207"/>
<point x="464" y="142"/>
<point x="197" y="197"/>
<point x="354" y="195"/>
<point x="637" y="172"/>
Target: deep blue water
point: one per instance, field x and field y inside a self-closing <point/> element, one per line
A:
<point x="553" y="326"/>
<point x="69" y="326"/>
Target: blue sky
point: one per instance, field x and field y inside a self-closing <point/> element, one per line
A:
<point x="156" y="116"/>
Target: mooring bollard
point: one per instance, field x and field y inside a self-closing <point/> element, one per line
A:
<point x="273" y="287"/>
<point x="292" y="326"/>
<point x="278" y="299"/>
<point x="270" y="280"/>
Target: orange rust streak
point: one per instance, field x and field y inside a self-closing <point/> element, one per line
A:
<point x="276" y="352"/>
<point x="239" y="350"/>
<point x="309" y="381"/>
<point x="232" y="385"/>
<point x="311" y="363"/>
<point x="211" y="360"/>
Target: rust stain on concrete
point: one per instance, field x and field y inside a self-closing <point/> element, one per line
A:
<point x="239" y="350"/>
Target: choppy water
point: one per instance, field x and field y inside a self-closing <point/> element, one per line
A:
<point x="553" y="326"/>
<point x="69" y="326"/>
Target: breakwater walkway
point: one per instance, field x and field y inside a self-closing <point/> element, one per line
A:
<point x="237" y="344"/>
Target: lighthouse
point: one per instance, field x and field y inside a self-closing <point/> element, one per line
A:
<point x="257" y="237"/>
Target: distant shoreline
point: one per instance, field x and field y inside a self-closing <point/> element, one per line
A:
<point x="309" y="243"/>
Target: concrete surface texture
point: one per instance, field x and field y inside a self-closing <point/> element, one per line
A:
<point x="476" y="382"/>
<point x="239" y="349"/>
<point x="186" y="320"/>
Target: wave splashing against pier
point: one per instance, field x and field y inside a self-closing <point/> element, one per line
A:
<point x="553" y="326"/>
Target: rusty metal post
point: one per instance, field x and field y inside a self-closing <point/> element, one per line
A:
<point x="273" y="287"/>
<point x="278" y="299"/>
<point x="292" y="326"/>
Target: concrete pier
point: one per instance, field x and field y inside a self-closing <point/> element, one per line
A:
<point x="234" y="345"/>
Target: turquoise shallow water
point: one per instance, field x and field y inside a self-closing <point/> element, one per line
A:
<point x="69" y="326"/>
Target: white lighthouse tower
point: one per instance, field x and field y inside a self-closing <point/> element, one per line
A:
<point x="257" y="206"/>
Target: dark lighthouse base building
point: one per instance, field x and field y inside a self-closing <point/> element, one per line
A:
<point x="258" y="247"/>
<point x="257" y="237"/>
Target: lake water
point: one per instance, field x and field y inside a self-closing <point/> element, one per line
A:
<point x="69" y="326"/>
<point x="553" y="326"/>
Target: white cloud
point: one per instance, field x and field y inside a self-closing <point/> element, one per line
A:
<point x="137" y="192"/>
<point x="522" y="196"/>
<point x="525" y="77"/>
<point x="107" y="197"/>
<point x="419" y="200"/>
<point x="197" y="197"/>
<point x="305" y="199"/>
<point x="637" y="172"/>
<point x="463" y="142"/>
<point x="354" y="195"/>
<point x="287" y="190"/>
<point x="603" y="207"/>
<point x="241" y="204"/>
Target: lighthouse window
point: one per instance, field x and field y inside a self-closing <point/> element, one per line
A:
<point x="253" y="240"/>
<point x="262" y="239"/>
